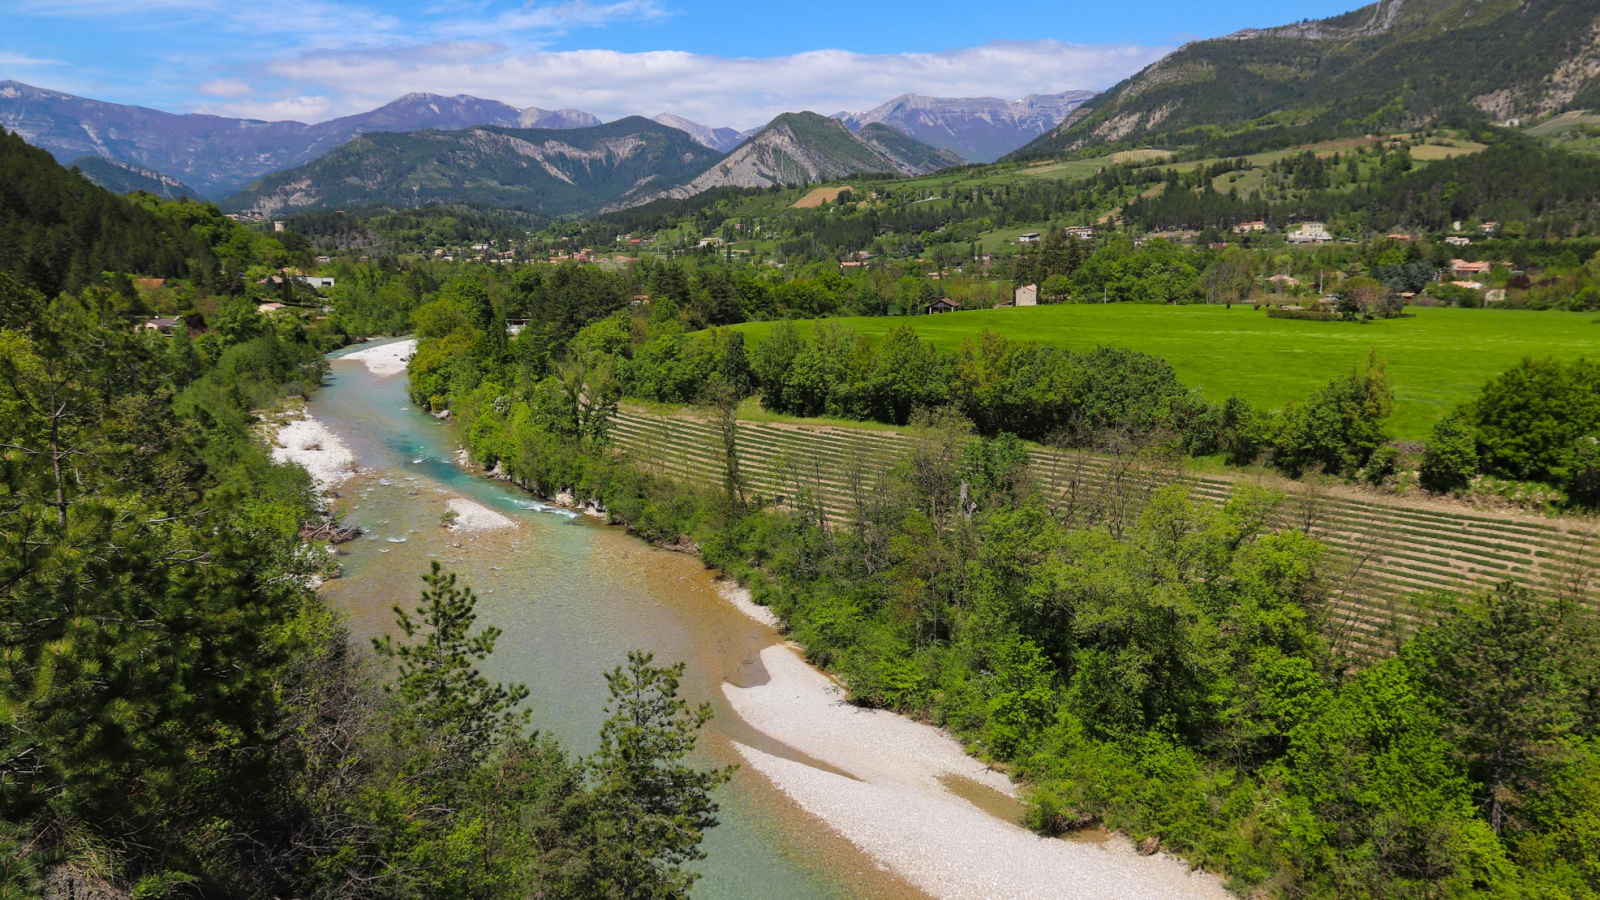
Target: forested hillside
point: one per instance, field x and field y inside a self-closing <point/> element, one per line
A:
<point x="182" y="715"/>
<point x="125" y="178"/>
<point x="547" y="171"/>
<point x="1515" y="180"/>
<point x="1393" y="65"/>
<point x="60" y="232"/>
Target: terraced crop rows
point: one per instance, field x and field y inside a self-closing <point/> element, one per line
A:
<point x="1386" y="551"/>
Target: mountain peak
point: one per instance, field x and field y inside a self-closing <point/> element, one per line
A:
<point x="975" y="128"/>
<point x="806" y="148"/>
<point x="719" y="139"/>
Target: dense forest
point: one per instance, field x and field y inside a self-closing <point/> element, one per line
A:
<point x="182" y="715"/>
<point x="1141" y="659"/>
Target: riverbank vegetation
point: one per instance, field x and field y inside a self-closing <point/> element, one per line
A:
<point x="1139" y="658"/>
<point x="180" y="715"/>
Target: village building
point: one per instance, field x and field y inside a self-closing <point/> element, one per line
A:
<point x="1311" y="233"/>
<point x="1456" y="241"/>
<point x="1027" y="295"/>
<point x="1249" y="227"/>
<point x="163" y="325"/>
<point x="942" y="305"/>
<point x="1462" y="267"/>
<point x="1031" y="237"/>
<point x="268" y="309"/>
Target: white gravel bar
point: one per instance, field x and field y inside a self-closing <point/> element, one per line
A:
<point x="386" y="359"/>
<point x="740" y="597"/>
<point x="897" y="811"/>
<point x="310" y="444"/>
<point x="472" y="516"/>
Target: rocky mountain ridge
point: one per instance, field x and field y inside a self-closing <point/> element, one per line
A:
<point x="1394" y="65"/>
<point x="807" y="148"/>
<point x="125" y="178"/>
<point x="217" y="155"/>
<point x="979" y="129"/>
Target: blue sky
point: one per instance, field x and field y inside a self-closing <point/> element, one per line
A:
<point x="717" y="61"/>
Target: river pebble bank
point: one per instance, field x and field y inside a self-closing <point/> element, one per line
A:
<point x="315" y="448"/>
<point x="896" y="808"/>
<point x="386" y="359"/>
<point x="475" y="517"/>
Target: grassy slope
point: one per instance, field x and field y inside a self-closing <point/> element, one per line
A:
<point x="1436" y="360"/>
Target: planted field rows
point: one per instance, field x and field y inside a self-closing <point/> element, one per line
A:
<point x="1386" y="552"/>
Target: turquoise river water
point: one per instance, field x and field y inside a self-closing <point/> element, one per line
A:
<point x="572" y="597"/>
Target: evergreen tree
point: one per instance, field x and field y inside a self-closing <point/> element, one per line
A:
<point x="443" y="697"/>
<point x="651" y="806"/>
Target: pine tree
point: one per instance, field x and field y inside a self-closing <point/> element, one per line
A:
<point x="443" y="697"/>
<point x="651" y="807"/>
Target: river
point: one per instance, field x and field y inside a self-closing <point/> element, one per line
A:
<point x="573" y="596"/>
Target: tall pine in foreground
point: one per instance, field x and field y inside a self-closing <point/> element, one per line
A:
<point x="651" y="806"/>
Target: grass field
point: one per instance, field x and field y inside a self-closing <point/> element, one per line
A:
<point x="1436" y="360"/>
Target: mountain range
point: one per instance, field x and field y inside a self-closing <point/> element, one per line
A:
<point x="552" y="171"/>
<point x="218" y="155"/>
<point x="1393" y="65"/>
<point x="579" y="170"/>
<point x="806" y="148"/>
<point x="719" y="139"/>
<point x="980" y="129"/>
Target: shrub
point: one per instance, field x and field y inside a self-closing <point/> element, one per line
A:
<point x="1530" y="419"/>
<point x="1450" y="458"/>
<point x="1340" y="426"/>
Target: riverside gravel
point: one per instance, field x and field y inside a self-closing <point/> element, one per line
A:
<point x="895" y="808"/>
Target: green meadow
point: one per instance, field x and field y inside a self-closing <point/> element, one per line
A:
<point x="1435" y="360"/>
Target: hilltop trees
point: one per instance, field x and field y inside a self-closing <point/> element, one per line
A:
<point x="1339" y="428"/>
<point x="1538" y="421"/>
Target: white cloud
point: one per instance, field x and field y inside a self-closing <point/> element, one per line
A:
<point x="714" y="90"/>
<point x="24" y="61"/>
<point x="226" y="87"/>
<point x="306" y="23"/>
<point x="298" y="109"/>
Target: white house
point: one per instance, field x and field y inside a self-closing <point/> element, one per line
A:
<point x="1311" y="233"/>
<point x="1031" y="237"/>
<point x="1027" y="295"/>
